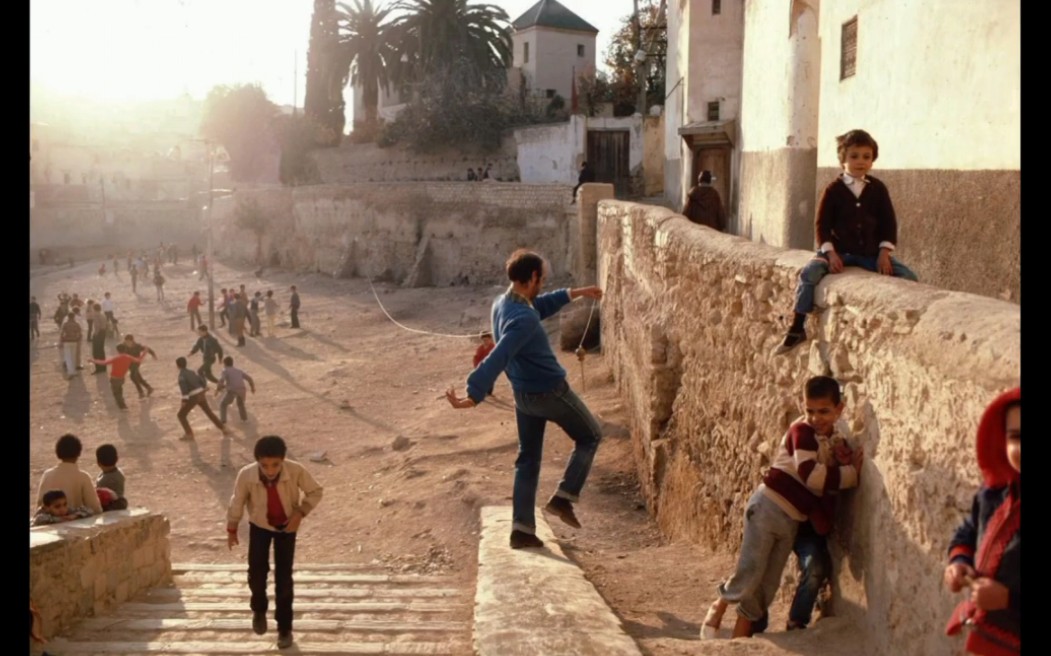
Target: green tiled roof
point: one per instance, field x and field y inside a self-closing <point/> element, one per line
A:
<point x="549" y="13"/>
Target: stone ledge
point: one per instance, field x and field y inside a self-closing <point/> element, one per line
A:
<point x="87" y="566"/>
<point x="537" y="601"/>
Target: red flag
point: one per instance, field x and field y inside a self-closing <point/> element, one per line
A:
<point x="575" y="102"/>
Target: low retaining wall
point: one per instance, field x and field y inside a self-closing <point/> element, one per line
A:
<point x="85" y="567"/>
<point x="416" y="234"/>
<point x="690" y="319"/>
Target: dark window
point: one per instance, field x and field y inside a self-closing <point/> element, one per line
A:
<point x="717" y="7"/>
<point x="580" y="50"/>
<point x="550" y="93"/>
<point x="525" y="53"/>
<point x="65" y="177"/>
<point x="848" y="54"/>
<point x="713" y="111"/>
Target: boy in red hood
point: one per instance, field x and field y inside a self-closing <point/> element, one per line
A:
<point x="985" y="553"/>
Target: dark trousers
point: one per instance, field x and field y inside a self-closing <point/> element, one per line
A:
<point x="199" y="399"/>
<point x="34" y="328"/>
<point x="195" y="319"/>
<point x="295" y="317"/>
<point x="206" y="370"/>
<point x="91" y="325"/>
<point x="259" y="540"/>
<point x="117" y="385"/>
<point x="98" y="349"/>
<point x="140" y="382"/>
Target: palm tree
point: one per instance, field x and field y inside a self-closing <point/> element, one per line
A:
<point x="473" y="40"/>
<point x="366" y="50"/>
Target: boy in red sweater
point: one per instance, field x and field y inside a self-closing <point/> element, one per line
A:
<point x="791" y="490"/>
<point x="119" y="366"/>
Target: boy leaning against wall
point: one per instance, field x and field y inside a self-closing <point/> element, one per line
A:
<point x="790" y="492"/>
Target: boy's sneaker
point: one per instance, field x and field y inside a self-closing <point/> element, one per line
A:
<point x="791" y="341"/>
<point x="563" y="509"/>
<point x="523" y="540"/>
<point x="259" y="623"/>
<point x="284" y="640"/>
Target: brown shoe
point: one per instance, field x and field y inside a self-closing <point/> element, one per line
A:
<point x="523" y="540"/>
<point x="563" y="509"/>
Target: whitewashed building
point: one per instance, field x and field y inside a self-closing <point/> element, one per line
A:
<point x="759" y="89"/>
<point x="552" y="47"/>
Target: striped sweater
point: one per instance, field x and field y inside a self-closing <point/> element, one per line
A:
<point x="798" y="477"/>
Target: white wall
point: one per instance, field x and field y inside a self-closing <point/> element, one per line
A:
<point x="937" y="84"/>
<point x="766" y="107"/>
<point x="518" y="39"/>
<point x="551" y="153"/>
<point x="709" y="59"/>
<point x="674" y="104"/>
<point x="714" y="59"/>
<point x="553" y="58"/>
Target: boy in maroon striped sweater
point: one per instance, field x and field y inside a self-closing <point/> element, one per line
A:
<point x="791" y="489"/>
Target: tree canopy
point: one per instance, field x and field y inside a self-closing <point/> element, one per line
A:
<point x="240" y="117"/>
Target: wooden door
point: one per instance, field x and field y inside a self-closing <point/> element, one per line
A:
<point x="607" y="154"/>
<point x="717" y="160"/>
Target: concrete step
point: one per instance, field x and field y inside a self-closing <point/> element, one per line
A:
<point x="256" y="646"/>
<point x="194" y="577"/>
<point x="339" y="609"/>
<point x="537" y="601"/>
<point x="130" y="624"/>
<point x="242" y="592"/>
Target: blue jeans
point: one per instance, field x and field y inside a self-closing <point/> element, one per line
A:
<point x="532" y="412"/>
<point x="815" y="568"/>
<point x="817" y="268"/>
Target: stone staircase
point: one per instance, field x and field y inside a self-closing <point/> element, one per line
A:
<point x="339" y="609"/>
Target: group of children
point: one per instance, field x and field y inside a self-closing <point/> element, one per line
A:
<point x="66" y="492"/>
<point x="792" y="509"/>
<point x="277" y="493"/>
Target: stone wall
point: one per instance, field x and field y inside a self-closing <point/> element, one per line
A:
<point x="690" y="319"/>
<point x="367" y="162"/>
<point x="125" y="225"/>
<point x="88" y="566"/>
<point x="416" y="234"/>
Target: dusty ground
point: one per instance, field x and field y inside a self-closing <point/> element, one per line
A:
<point x="354" y="386"/>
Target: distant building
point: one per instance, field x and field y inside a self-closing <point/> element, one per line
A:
<point x="552" y="46"/>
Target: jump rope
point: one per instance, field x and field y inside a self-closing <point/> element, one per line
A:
<point x="580" y="352"/>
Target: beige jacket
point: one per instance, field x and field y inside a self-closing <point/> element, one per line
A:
<point x="249" y="491"/>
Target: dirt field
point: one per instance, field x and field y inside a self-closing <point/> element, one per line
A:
<point x="404" y="473"/>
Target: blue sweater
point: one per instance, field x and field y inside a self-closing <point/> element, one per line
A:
<point x="522" y="347"/>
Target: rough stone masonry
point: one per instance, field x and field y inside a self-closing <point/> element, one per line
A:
<point x="690" y="318"/>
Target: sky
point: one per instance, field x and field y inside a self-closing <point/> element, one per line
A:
<point x="133" y="50"/>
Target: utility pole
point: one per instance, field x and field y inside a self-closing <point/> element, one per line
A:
<point x="208" y="246"/>
<point x="295" y="83"/>
<point x="640" y="63"/>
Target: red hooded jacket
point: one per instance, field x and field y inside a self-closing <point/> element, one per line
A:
<point x="990" y="539"/>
